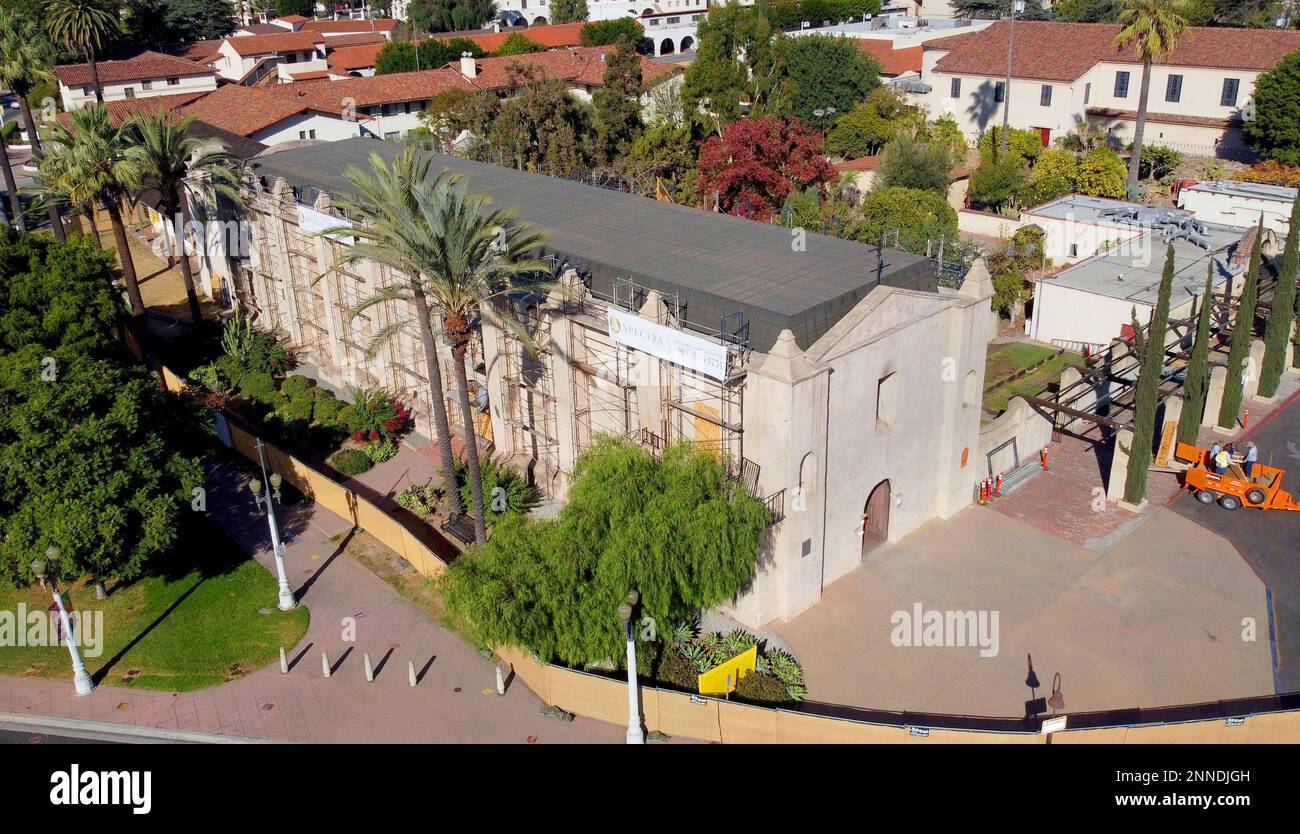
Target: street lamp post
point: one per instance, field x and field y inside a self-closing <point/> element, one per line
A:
<point x="625" y="611"/>
<point x="1016" y="6"/>
<point x="255" y="486"/>
<point x="823" y="114"/>
<point x="49" y="567"/>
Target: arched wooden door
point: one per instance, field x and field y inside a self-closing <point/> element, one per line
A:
<point x="875" y="517"/>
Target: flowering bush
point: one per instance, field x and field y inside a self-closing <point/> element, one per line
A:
<point x="376" y="413"/>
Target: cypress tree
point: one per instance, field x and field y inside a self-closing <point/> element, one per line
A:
<point x="1243" y="329"/>
<point x="1198" y="368"/>
<point x="1151" y="355"/>
<point x="1281" y="317"/>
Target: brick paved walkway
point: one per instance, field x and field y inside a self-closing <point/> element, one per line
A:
<point x="455" y="700"/>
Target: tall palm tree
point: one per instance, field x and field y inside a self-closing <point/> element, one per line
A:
<point x="179" y="166"/>
<point x="11" y="186"/>
<point x="454" y="258"/>
<point x="1154" y="28"/>
<point x="96" y="164"/>
<point x="25" y="60"/>
<point x="83" y="26"/>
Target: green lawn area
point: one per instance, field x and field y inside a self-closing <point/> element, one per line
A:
<point x="1042" y="379"/>
<point x="195" y="624"/>
<point x="1011" y="357"/>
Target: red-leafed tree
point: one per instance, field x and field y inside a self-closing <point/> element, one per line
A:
<point x="755" y="164"/>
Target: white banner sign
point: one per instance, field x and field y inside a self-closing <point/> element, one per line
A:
<point x="314" y="222"/>
<point x="667" y="343"/>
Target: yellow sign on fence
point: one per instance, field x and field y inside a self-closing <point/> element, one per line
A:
<point x="723" y="678"/>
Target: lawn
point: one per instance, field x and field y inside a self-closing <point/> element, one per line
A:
<point x="1042" y="379"/>
<point x="1012" y="357"/>
<point x="211" y="617"/>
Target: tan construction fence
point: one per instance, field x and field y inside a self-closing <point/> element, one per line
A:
<point x="1269" y="719"/>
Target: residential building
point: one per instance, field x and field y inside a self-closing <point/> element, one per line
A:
<point x="1065" y="74"/>
<point x="838" y="382"/>
<point x="147" y="74"/>
<point x="389" y="106"/>
<point x="1240" y="203"/>
<point x="249" y="59"/>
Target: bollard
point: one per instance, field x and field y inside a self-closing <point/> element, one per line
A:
<point x="284" y="662"/>
<point x="997" y="487"/>
<point x="410" y="670"/>
<point x="1245" y="419"/>
<point x="370" y="672"/>
<point x="325" y="664"/>
<point x="501" y="681"/>
<point x="1042" y="457"/>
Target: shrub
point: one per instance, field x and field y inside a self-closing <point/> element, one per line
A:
<point x="761" y="688"/>
<point x="996" y="185"/>
<point x="211" y="377"/>
<point x="504" y="490"/>
<point x="297" y="409"/>
<point x="1102" y="174"/>
<point x="351" y="462"/>
<point x="259" y="386"/>
<point x="421" y="499"/>
<point x="296" y="386"/>
<point x="908" y="162"/>
<point x="916" y="216"/>
<point x="385" y="448"/>
<point x="1053" y="176"/>
<point x="1023" y="145"/>
<point x="1271" y="172"/>
<point x="377" y="413"/>
<point x="328" y="407"/>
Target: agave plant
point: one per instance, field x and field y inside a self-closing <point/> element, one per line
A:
<point x="784" y="667"/>
<point x="738" y="641"/>
<point x="681" y="634"/>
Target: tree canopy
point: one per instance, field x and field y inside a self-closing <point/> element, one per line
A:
<point x="828" y="72"/>
<point x="756" y="163"/>
<point x="672" y="527"/>
<point x="1273" y="125"/>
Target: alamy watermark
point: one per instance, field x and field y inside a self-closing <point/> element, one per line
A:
<point x="21" y="627"/>
<point x="934" y="628"/>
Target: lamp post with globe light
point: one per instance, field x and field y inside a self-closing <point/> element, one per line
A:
<point x="287" y="600"/>
<point x="625" y="612"/>
<point x="48" y="568"/>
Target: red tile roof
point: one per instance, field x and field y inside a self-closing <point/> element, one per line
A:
<point x="146" y="65"/>
<point x="862" y="163"/>
<point x="247" y="110"/>
<point x="293" y="18"/>
<point x="950" y="42"/>
<point x="262" y="29"/>
<point x="339" y="27"/>
<point x="123" y="109"/>
<point x="354" y="57"/>
<point x="249" y="45"/>
<point x="201" y="52"/>
<point x="359" y="39"/>
<point x="1053" y="51"/>
<point x="559" y="34"/>
<point x="892" y="61"/>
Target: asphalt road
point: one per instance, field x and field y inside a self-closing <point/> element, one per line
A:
<point x="35" y="737"/>
<point x="1269" y="541"/>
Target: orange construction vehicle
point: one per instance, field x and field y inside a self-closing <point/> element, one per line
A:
<point x="1263" y="490"/>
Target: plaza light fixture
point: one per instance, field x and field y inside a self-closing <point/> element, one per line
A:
<point x="48" y="568"/>
<point x="625" y="611"/>
<point x="287" y="600"/>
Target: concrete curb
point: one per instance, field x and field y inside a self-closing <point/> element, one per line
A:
<point x="141" y="735"/>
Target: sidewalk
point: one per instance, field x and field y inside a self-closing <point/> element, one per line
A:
<point x="455" y="700"/>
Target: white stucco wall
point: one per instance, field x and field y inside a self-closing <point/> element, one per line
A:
<point x="74" y="98"/>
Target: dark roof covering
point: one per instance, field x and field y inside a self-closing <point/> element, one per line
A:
<point x="718" y="264"/>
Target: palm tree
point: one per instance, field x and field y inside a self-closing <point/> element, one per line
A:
<point x="1154" y="28"/>
<point x="95" y="166"/>
<point x="25" y="60"/>
<point x="11" y="186"/>
<point x="455" y="258"/>
<point x="83" y="26"/>
<point x="179" y="166"/>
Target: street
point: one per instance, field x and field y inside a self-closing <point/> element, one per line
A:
<point x="1269" y="541"/>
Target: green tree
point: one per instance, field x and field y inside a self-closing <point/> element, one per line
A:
<point x="1054" y="175"/>
<point x="456" y="258"/>
<point x="997" y="185"/>
<point x="1273" y="129"/>
<point x="617" y="103"/>
<point x="738" y="58"/>
<point x="665" y="152"/>
<point x="568" y="11"/>
<point x="306" y="8"/>
<point x="181" y="168"/>
<point x="1281" y="315"/>
<point x="57" y="296"/>
<point x="543" y="127"/>
<point x="1101" y="174"/>
<point x="686" y="538"/>
<point x="609" y="32"/>
<point x="93" y="153"/>
<point x="83" y="27"/>
<point x="908" y="162"/>
<point x="865" y="129"/>
<point x="1023" y="146"/>
<point x="992" y="9"/>
<point x="11" y="188"/>
<point x="912" y="217"/>
<point x="1153" y="28"/>
<point x="1243" y="331"/>
<point x="944" y="131"/>
<point x="1151" y="356"/>
<point x="395" y="56"/>
<point x="1197" y="379"/>
<point x="25" y="60"/>
<point x="1159" y="161"/>
<point x="518" y="44"/>
<point x="828" y="72"/>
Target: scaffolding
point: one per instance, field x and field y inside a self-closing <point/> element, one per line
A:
<point x="308" y="301"/>
<point x="529" y="392"/>
<point x="604" y="389"/>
